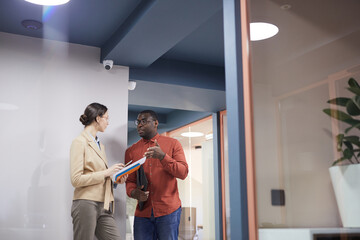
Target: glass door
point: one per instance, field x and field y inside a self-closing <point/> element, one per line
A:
<point x="197" y="190"/>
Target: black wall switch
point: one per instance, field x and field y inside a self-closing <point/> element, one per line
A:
<point x="277" y="197"/>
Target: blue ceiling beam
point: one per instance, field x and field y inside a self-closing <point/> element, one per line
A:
<point x="155" y="27"/>
<point x="181" y="73"/>
<point x="125" y="28"/>
<point x="149" y="94"/>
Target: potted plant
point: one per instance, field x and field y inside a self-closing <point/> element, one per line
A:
<point x="345" y="171"/>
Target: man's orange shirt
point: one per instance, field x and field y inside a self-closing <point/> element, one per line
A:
<point x="161" y="175"/>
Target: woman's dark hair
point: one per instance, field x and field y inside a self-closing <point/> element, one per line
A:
<point x="91" y="112"/>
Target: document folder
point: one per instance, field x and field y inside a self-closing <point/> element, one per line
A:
<point x="128" y="169"/>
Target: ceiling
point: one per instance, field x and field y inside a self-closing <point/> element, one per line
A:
<point x="132" y="33"/>
<point x="146" y="35"/>
<point x="178" y="46"/>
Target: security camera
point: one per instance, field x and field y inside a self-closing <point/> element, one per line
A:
<point x="131" y="85"/>
<point x="108" y="64"/>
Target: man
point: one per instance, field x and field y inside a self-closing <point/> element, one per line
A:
<point x="165" y="161"/>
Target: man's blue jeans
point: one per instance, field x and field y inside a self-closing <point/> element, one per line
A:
<point x="162" y="228"/>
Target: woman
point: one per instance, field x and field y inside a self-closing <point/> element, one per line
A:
<point x="93" y="201"/>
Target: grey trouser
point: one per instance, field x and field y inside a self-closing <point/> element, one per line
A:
<point x="90" y="218"/>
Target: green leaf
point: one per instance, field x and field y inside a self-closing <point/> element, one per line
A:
<point x="352" y="122"/>
<point x="352" y="138"/>
<point x="353" y="83"/>
<point x="341" y="116"/>
<point x="339" y="141"/>
<point x="349" y="147"/>
<point x="356" y="143"/>
<point x="354" y="126"/>
<point x="337" y="114"/>
<point x="354" y="90"/>
<point x="348" y="154"/>
<point x="341" y="101"/>
<point x="356" y="100"/>
<point x="340" y="136"/>
<point x="352" y="108"/>
<point x="338" y="160"/>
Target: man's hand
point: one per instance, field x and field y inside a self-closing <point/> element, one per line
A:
<point x="155" y="152"/>
<point x="140" y="195"/>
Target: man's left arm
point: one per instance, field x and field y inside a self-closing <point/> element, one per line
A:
<point x="176" y="164"/>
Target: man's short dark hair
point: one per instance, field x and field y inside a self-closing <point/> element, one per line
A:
<point x="152" y="114"/>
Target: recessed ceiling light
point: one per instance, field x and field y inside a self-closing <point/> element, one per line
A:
<point x="285" y="7"/>
<point x="31" y="24"/>
<point x="8" y="106"/>
<point x="48" y="2"/>
<point x="192" y="134"/>
<point x="261" y="31"/>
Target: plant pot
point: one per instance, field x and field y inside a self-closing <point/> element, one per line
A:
<point x="346" y="184"/>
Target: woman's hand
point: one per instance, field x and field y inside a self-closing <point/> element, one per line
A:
<point x="113" y="169"/>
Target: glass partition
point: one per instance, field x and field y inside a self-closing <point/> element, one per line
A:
<point x="197" y="190"/>
<point x="294" y="74"/>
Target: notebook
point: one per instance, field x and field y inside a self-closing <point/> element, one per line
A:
<point x="128" y="169"/>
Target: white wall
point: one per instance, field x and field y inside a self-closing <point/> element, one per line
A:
<point x="51" y="83"/>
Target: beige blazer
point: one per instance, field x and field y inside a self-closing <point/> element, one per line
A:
<point x="87" y="166"/>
